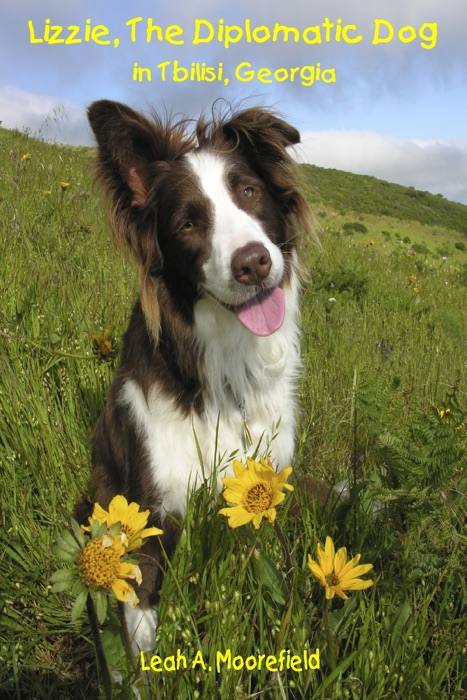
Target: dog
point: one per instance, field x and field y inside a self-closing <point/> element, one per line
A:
<point x="210" y="359"/>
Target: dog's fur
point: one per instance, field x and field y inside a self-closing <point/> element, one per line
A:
<point x="212" y="219"/>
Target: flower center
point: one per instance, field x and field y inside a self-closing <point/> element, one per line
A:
<point x="258" y="498"/>
<point x="105" y="348"/>
<point x="99" y="565"/>
<point x="332" y="580"/>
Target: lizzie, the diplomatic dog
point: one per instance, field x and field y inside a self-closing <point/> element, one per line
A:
<point x="212" y="348"/>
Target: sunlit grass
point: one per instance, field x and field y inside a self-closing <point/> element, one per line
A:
<point x="379" y="361"/>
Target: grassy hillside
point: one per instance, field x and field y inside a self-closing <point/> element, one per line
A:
<point x="345" y="192"/>
<point x="382" y="409"/>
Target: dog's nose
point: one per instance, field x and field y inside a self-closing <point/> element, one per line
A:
<point x="251" y="263"/>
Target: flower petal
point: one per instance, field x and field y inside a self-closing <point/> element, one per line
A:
<point x="124" y="592"/>
<point x="357" y="584"/>
<point x="118" y="508"/>
<point x="129" y="570"/>
<point x="356" y="572"/>
<point x="270" y="514"/>
<point x="237" y="516"/>
<point x="339" y="592"/>
<point x="257" y="518"/>
<point x="317" y="571"/>
<point x="326" y="556"/>
<point x="277" y="498"/>
<point x="284" y="474"/>
<point x="234" y="492"/>
<point x="151" y="532"/>
<point x="329" y="548"/>
<point x="340" y="560"/>
<point x="238" y="468"/>
<point x="350" y="565"/>
<point x="107" y="540"/>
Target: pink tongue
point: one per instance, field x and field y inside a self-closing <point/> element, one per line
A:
<point x="263" y="315"/>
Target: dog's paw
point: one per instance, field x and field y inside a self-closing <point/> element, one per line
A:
<point x="142" y="624"/>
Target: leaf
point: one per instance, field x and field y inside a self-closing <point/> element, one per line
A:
<point x="60" y="586"/>
<point x="101" y="606"/>
<point x="79" y="604"/>
<point x="338" y="619"/>
<point x="340" y="669"/>
<point x="98" y="530"/>
<point x="113" y="647"/>
<point x="198" y="448"/>
<point x="62" y="575"/>
<point x="396" y="622"/>
<point x="54" y="339"/>
<point x="67" y="542"/>
<point x="285" y="623"/>
<point x="115" y="529"/>
<point x="78" y="585"/>
<point x="64" y="555"/>
<point x="270" y="578"/>
<point x="78" y="533"/>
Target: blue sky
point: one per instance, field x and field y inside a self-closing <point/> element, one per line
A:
<point x="395" y="110"/>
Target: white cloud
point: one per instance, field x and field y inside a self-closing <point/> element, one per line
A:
<point x="51" y="117"/>
<point x="438" y="166"/>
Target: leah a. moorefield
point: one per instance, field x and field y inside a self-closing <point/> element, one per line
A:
<point x="283" y="661"/>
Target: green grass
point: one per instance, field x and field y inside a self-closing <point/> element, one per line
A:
<point x="381" y="362"/>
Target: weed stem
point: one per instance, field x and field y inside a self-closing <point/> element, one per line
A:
<point x="101" y="660"/>
<point x="285" y="549"/>
<point x="126" y="638"/>
<point x="329" y="637"/>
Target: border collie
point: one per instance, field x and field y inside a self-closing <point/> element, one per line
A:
<point x="212" y="347"/>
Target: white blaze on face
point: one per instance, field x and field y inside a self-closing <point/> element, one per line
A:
<point x="233" y="228"/>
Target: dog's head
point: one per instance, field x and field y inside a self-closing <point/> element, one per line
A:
<point x="214" y="212"/>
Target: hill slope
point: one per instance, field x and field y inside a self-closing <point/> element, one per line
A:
<point x="346" y="192"/>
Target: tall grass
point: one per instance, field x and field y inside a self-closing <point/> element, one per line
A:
<point x="382" y="413"/>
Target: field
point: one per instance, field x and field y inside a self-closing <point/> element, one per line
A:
<point x="382" y="413"/>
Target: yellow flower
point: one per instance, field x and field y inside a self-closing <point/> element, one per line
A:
<point x="256" y="489"/>
<point x="416" y="290"/>
<point x="97" y="564"/>
<point x="103" y="346"/>
<point x="335" y="573"/>
<point x="133" y="521"/>
<point x="101" y="567"/>
<point x="25" y="156"/>
<point x="64" y="185"/>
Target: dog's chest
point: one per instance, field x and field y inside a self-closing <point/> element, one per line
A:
<point x="248" y="400"/>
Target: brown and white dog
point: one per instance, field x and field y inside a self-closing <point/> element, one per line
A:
<point x="213" y="343"/>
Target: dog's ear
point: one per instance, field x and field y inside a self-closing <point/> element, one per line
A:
<point x="260" y="133"/>
<point x="263" y="138"/>
<point x="127" y="146"/>
<point x="132" y="153"/>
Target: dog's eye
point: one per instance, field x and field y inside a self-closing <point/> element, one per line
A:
<point x="187" y="227"/>
<point x="248" y="192"/>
